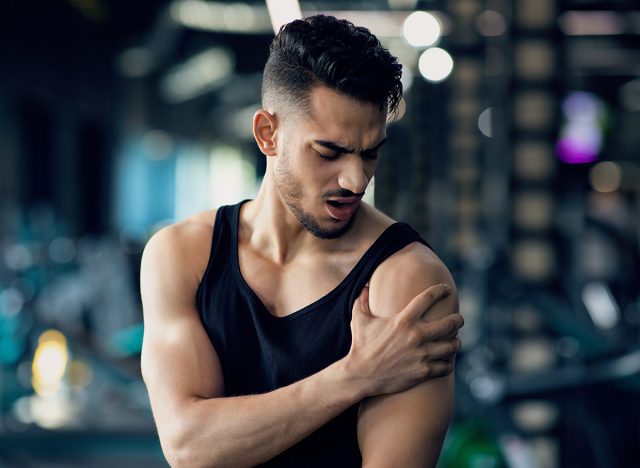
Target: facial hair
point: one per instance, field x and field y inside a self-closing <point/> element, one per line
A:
<point x="291" y="194"/>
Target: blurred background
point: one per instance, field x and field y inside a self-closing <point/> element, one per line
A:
<point x="516" y="154"/>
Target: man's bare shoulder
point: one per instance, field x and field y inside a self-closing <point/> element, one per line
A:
<point x="404" y="274"/>
<point x="183" y="247"/>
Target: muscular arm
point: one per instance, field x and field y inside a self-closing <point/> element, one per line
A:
<point x="407" y="429"/>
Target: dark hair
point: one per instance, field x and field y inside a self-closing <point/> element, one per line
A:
<point x="325" y="50"/>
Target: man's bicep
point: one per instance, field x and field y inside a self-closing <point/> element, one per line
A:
<point x="179" y="364"/>
<point x="407" y="428"/>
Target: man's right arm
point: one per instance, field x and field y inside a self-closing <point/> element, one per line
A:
<point x="197" y="425"/>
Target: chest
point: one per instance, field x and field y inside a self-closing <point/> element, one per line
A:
<point x="286" y="289"/>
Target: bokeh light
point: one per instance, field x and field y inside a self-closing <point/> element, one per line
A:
<point x="421" y="29"/>
<point x="605" y="177"/>
<point x="435" y="64"/>
<point x="49" y="363"/>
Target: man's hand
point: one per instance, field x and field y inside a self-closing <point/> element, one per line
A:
<point x="393" y="354"/>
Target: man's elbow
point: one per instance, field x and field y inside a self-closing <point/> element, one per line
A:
<point x="182" y="454"/>
<point x="181" y="445"/>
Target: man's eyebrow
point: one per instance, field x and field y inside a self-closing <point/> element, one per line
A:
<point x="341" y="149"/>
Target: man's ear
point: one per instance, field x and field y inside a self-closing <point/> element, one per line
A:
<point x="264" y="131"/>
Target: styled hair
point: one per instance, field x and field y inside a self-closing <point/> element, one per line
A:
<point x="333" y="52"/>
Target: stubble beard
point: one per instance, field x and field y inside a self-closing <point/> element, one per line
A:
<point x="290" y="191"/>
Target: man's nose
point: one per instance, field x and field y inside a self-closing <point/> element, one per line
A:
<point x="353" y="176"/>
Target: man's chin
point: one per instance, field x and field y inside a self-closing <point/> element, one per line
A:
<point x="332" y="229"/>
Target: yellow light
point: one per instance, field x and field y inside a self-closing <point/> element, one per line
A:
<point x="49" y="362"/>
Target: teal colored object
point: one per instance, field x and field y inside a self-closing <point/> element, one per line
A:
<point x="11" y="347"/>
<point x="128" y="341"/>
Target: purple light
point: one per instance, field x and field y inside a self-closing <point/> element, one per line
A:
<point x="572" y="152"/>
<point x="581" y="135"/>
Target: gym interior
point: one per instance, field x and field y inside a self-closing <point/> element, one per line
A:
<point x="515" y="153"/>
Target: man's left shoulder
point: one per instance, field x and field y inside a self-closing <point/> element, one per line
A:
<point x="414" y="261"/>
<point x="406" y="273"/>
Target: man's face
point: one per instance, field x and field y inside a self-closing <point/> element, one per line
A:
<point x="326" y="160"/>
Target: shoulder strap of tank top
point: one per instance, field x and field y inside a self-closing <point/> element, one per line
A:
<point x="393" y="239"/>
<point x="224" y="228"/>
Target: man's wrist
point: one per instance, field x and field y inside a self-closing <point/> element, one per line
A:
<point x="353" y="385"/>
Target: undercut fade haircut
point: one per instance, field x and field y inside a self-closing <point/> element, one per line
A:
<point x="333" y="52"/>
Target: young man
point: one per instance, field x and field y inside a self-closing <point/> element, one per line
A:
<point x="303" y="328"/>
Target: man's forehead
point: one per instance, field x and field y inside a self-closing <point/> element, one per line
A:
<point x="325" y="99"/>
<point x="336" y="117"/>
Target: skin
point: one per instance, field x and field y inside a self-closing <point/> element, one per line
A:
<point x="404" y="332"/>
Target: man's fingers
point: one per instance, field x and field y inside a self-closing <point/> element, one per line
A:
<point x="443" y="328"/>
<point x="438" y="369"/>
<point x="442" y="350"/>
<point x="425" y="300"/>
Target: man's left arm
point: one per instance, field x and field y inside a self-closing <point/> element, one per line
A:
<point x="407" y="429"/>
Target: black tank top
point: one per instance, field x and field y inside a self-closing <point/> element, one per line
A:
<point x="260" y="352"/>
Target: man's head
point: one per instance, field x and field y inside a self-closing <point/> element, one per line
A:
<point x="323" y="50"/>
<point x="327" y="90"/>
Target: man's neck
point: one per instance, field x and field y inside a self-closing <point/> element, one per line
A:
<point x="269" y="227"/>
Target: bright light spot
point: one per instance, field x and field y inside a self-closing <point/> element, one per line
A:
<point x="605" y="177"/>
<point x="53" y="412"/>
<point x="600" y="304"/>
<point x="491" y="23"/>
<point x="49" y="362"/>
<point x="421" y="29"/>
<point x="282" y="12"/>
<point x="435" y="64"/>
<point x="484" y="122"/>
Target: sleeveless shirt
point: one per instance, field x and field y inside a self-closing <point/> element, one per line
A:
<point x="260" y="352"/>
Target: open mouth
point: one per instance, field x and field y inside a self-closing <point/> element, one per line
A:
<point x="342" y="209"/>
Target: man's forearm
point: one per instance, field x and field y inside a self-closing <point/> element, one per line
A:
<point x="247" y="430"/>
